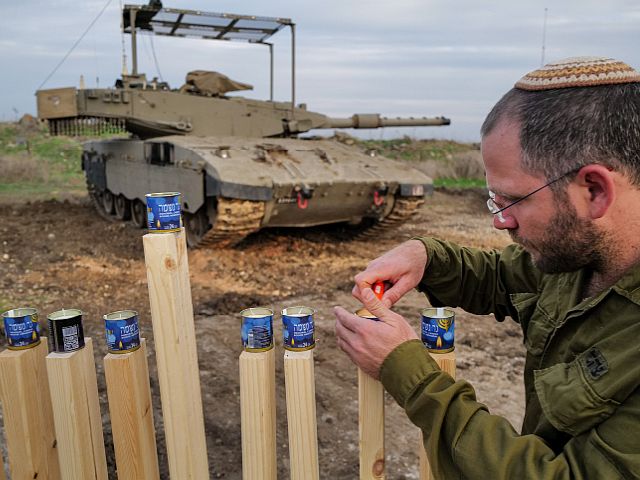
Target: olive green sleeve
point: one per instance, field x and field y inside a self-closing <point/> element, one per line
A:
<point x="479" y="281"/>
<point x="463" y="440"/>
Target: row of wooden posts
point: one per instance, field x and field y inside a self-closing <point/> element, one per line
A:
<point x="53" y="424"/>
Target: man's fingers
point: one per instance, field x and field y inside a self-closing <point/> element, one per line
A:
<point x="376" y="307"/>
<point x="346" y="319"/>
<point x="397" y="291"/>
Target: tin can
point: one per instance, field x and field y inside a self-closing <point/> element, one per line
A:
<point x="163" y="212"/>
<point x="257" y="329"/>
<point x="297" y="328"/>
<point x="364" y="313"/>
<point x="21" y="328"/>
<point x="123" y="333"/>
<point x="438" y="329"/>
<point x="65" y="330"/>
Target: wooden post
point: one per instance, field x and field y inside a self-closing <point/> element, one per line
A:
<point x="131" y="413"/>
<point x="28" y="417"/>
<point x="447" y="363"/>
<point x="76" y="414"/>
<point x="301" y="415"/>
<point x="176" y="354"/>
<point x="258" y="415"/>
<point x="371" y="427"/>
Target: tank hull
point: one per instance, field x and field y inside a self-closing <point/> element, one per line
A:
<point x="282" y="182"/>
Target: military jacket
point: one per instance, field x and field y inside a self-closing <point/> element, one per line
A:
<point x="582" y="372"/>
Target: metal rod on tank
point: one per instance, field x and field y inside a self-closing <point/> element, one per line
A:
<point x="134" y="47"/>
<point x="270" y="71"/>
<point x="293" y="68"/>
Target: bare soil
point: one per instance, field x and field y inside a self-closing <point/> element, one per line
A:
<point x="62" y="254"/>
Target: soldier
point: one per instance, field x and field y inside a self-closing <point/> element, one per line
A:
<point x="562" y="159"/>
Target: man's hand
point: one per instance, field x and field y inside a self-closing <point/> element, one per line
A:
<point x="368" y="342"/>
<point x="402" y="267"/>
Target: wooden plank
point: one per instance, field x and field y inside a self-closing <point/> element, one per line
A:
<point x="176" y="354"/>
<point x="28" y="416"/>
<point x="76" y="414"/>
<point x="131" y="413"/>
<point x="301" y="415"/>
<point x="447" y="363"/>
<point x="258" y="415"/>
<point x="371" y="427"/>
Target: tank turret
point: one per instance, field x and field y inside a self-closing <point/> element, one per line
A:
<point x="149" y="109"/>
<point x="237" y="161"/>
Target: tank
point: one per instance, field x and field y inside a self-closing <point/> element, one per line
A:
<point x="239" y="163"/>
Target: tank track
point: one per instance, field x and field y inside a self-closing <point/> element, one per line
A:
<point x="95" y="195"/>
<point x="235" y="220"/>
<point x="403" y="209"/>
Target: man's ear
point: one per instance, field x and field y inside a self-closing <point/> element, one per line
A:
<point x="599" y="189"/>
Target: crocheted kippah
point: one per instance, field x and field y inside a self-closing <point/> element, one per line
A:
<point x="578" y="72"/>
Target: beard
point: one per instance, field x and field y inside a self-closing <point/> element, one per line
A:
<point x="568" y="244"/>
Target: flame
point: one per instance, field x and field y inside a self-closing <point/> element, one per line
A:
<point x="439" y="342"/>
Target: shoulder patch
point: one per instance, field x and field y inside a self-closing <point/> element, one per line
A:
<point x="594" y="363"/>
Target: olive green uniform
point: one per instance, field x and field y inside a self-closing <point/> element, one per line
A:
<point x="582" y="372"/>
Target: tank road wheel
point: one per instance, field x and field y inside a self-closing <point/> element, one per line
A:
<point x="97" y="198"/>
<point x="122" y="207"/>
<point x="108" y="202"/>
<point x="138" y="213"/>
<point x="196" y="226"/>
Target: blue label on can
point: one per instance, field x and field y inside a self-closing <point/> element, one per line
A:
<point x="21" y="328"/>
<point x="257" y="329"/>
<point x="123" y="334"/>
<point x="438" y="329"/>
<point x="297" y="328"/>
<point x="163" y="212"/>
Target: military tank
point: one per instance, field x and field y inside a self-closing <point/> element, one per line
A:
<point x="239" y="163"/>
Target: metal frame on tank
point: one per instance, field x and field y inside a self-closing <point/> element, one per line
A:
<point x="154" y="19"/>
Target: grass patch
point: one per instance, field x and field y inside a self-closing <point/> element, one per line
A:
<point x="459" y="183"/>
<point x="450" y="164"/>
<point x="34" y="164"/>
<point x="412" y="150"/>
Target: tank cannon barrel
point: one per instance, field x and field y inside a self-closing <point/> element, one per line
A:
<point x="374" y="120"/>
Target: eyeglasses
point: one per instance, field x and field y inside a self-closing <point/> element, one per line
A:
<point x="496" y="209"/>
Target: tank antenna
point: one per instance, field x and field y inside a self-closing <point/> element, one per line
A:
<point x="155" y="59"/>
<point x="75" y="45"/>
<point x="544" y="36"/>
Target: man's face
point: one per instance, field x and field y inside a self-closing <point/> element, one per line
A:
<point x="546" y="224"/>
<point x="568" y="244"/>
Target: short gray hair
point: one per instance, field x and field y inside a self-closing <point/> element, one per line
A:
<point x="566" y="128"/>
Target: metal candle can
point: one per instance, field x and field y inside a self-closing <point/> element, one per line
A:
<point x="438" y="329"/>
<point x="123" y="333"/>
<point x="21" y="328"/>
<point x="163" y="212"/>
<point x="257" y="329"/>
<point x="364" y="313"/>
<point x="298" y="328"/>
<point x="65" y="330"/>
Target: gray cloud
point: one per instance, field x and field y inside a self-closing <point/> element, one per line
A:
<point x="408" y="57"/>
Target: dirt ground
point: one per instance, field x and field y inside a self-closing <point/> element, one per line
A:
<point x="62" y="254"/>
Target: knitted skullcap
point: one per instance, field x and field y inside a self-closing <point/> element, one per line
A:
<point x="578" y="72"/>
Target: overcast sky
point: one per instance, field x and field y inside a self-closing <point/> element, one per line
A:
<point x="397" y="58"/>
